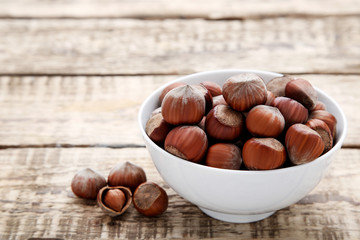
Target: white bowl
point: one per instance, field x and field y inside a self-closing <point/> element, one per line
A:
<point x="238" y="195"/>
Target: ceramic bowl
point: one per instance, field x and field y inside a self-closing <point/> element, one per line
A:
<point x="238" y="195"/>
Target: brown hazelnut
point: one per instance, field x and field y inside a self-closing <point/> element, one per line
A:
<point x="263" y="154"/>
<point x="265" y="121"/>
<point x="223" y="123"/>
<point x="207" y="96"/>
<point x="156" y="111"/>
<point x="270" y="98"/>
<point x="319" y="106"/>
<point x="323" y="130"/>
<point x="277" y="85"/>
<point x="243" y="91"/>
<point x="157" y="128"/>
<point x="302" y="91"/>
<point x="187" y="142"/>
<point x="127" y="175"/>
<point x="327" y="117"/>
<point x="114" y="201"/>
<point x="87" y="183"/>
<point x="293" y="111"/>
<point x="224" y="155"/>
<point x="303" y="144"/>
<point x="213" y="87"/>
<point x="183" y="105"/>
<point x="169" y="88"/>
<point x="218" y="100"/>
<point x="150" y="199"/>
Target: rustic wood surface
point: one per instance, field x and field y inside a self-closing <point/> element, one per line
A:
<point x="37" y="201"/>
<point x="73" y="75"/>
<point x="102" y="111"/>
<point x="216" y="9"/>
<point x="132" y="46"/>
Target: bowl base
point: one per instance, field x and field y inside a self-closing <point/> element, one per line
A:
<point x="236" y="218"/>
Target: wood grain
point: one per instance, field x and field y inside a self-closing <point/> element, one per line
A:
<point x="36" y="201"/>
<point x="102" y="111"/>
<point x="216" y="9"/>
<point x="133" y="47"/>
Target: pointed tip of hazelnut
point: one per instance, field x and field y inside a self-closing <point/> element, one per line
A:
<point x="244" y="91"/>
<point x="86" y="183"/>
<point x="126" y="174"/>
<point x="183" y="105"/>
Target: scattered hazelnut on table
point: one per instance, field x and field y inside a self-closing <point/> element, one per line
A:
<point x="87" y="183"/>
<point x="150" y="199"/>
<point x="127" y="175"/>
<point x="116" y="197"/>
<point x="114" y="201"/>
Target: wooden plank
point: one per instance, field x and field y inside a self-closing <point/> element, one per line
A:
<point x="58" y="111"/>
<point x="126" y="46"/>
<point x="163" y="9"/>
<point x="37" y="202"/>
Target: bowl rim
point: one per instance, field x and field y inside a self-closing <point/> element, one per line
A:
<point x="339" y="142"/>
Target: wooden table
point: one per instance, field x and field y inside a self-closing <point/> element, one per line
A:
<point x="73" y="75"/>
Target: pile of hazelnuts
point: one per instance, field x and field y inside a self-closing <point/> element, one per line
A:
<point x="244" y="124"/>
<point x="126" y="184"/>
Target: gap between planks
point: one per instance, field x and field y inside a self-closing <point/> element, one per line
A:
<point x="152" y="74"/>
<point x="112" y="146"/>
<point x="65" y="145"/>
<point x="188" y="17"/>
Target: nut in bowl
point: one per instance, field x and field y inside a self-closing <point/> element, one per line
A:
<point x="239" y="196"/>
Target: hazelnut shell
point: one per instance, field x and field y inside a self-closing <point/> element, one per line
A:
<point x="109" y="211"/>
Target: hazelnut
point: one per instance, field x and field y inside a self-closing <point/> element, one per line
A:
<point x="150" y="199"/>
<point x="327" y="117"/>
<point x="126" y="175"/>
<point x="157" y="128"/>
<point x="319" y="106"/>
<point x="265" y="121"/>
<point x="243" y="91"/>
<point x="303" y="144"/>
<point x="114" y="201"/>
<point x="202" y="123"/>
<point x="270" y="98"/>
<point x="263" y="154"/>
<point x="156" y="111"/>
<point x="187" y="142"/>
<point x="293" y="111"/>
<point x="224" y="155"/>
<point x="213" y="87"/>
<point x="223" y="123"/>
<point x="302" y="91"/>
<point x="323" y="130"/>
<point x="218" y="100"/>
<point x="183" y="105"/>
<point x="169" y="88"/>
<point x="86" y="183"/>
<point x="207" y="96"/>
<point x="277" y="85"/>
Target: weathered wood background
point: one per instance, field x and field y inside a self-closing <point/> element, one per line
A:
<point x="73" y="75"/>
